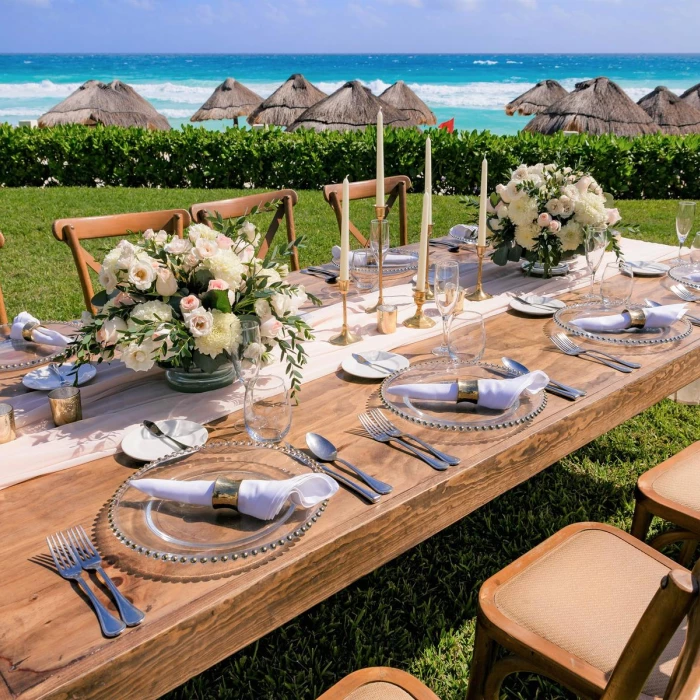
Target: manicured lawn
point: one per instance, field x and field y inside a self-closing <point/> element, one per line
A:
<point x="417" y="612"/>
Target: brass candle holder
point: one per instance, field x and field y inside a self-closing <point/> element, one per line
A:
<point x="419" y="319"/>
<point x="378" y="224"/>
<point x="346" y="336"/>
<point x="479" y="294"/>
<point x="429" y="295"/>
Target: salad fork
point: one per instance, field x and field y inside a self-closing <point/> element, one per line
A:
<point x="568" y="347"/>
<point x="69" y="568"/>
<point x="684" y="293"/>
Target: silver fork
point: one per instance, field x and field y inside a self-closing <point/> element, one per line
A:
<point x="90" y="561"/>
<point x="69" y="568"/>
<point x="567" y="346"/>
<point x="376" y="433"/>
<point x="392" y="431"/>
<point x="684" y="293"/>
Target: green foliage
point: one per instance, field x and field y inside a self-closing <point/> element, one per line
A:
<point x="648" y="167"/>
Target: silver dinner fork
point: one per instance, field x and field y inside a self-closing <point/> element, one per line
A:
<point x="684" y="293"/>
<point x="392" y="431"/>
<point x="376" y="433"/>
<point x="90" y="561"/>
<point x="68" y="567"/>
<point x="567" y="346"/>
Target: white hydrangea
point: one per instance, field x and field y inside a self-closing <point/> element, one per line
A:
<point x="225" y="333"/>
<point x="526" y="234"/>
<point x="514" y="192"/>
<point x="197" y="231"/>
<point x="590" y="209"/>
<point x="571" y="235"/>
<point x="226" y="266"/>
<point x="154" y="310"/>
<point x="523" y="211"/>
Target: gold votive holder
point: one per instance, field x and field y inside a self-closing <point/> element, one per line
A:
<point x="7" y="423"/>
<point x="419" y="319"/>
<point x="65" y="405"/>
<point x="479" y="294"/>
<point x="386" y="318"/>
<point x="346" y="336"/>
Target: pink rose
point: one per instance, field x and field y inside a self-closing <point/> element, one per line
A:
<point x="554" y="226"/>
<point x="247" y="254"/>
<point x="224" y="242"/>
<point x="613" y="216"/>
<point x="189" y="303"/>
<point x="123" y="299"/>
<point x="544" y="219"/>
<point x="583" y="184"/>
<point x="217" y="284"/>
<point x="109" y="333"/>
<point x="270" y="328"/>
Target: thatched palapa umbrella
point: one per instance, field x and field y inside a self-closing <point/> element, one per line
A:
<point x="670" y="112"/>
<point x="111" y="104"/>
<point x="595" y="107"/>
<point x="692" y="96"/>
<point x="401" y="96"/>
<point x="350" y="108"/>
<point x="287" y="103"/>
<point x="536" y="99"/>
<point x="229" y="101"/>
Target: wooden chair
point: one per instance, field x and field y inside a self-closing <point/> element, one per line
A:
<point x="241" y="206"/>
<point x="3" y="310"/>
<point x="73" y="231"/>
<point x="596" y="610"/>
<point x="671" y="491"/>
<point x="395" y="186"/>
<point x="379" y="684"/>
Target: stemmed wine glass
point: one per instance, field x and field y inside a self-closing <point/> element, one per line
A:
<point x="247" y="353"/>
<point x="379" y="239"/>
<point x="595" y="241"/>
<point x="446" y="289"/>
<point x="684" y="222"/>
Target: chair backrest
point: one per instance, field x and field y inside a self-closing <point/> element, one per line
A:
<point x="3" y="310"/>
<point x="73" y="231"/>
<point x="242" y="206"/>
<point x="396" y="186"/>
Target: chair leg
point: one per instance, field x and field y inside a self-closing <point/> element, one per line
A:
<point x="640" y="521"/>
<point x="482" y="660"/>
<point x="687" y="553"/>
<point x="502" y="668"/>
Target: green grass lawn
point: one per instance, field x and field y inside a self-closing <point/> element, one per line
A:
<point x="417" y="612"/>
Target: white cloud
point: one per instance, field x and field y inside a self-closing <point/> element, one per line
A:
<point x="366" y="15"/>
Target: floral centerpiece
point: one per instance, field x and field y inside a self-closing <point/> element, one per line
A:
<point x="542" y="214"/>
<point x="179" y="302"/>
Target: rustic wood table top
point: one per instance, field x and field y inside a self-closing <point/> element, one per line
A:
<point x="50" y="642"/>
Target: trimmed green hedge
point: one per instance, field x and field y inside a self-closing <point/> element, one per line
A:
<point x="649" y="167"/>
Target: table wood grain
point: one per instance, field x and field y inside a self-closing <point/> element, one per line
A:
<point x="50" y="642"/>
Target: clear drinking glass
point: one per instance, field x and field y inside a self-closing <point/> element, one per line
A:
<point x="379" y="241"/>
<point x="684" y="222"/>
<point x="365" y="280"/>
<point x="595" y="241"/>
<point x="468" y="339"/>
<point x="695" y="250"/>
<point x="247" y="353"/>
<point x="445" y="289"/>
<point x="267" y="410"/>
<point x="616" y="285"/>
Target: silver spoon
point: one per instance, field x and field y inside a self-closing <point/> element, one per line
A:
<point x="520" y="368"/>
<point x="539" y="305"/>
<point x="364" y="361"/>
<point x="53" y="368"/>
<point x="155" y="430"/>
<point x="325" y="451"/>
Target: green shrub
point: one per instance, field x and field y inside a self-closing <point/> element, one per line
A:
<point x="648" y="167"/>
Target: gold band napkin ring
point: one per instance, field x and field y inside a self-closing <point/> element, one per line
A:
<point x="467" y="390"/>
<point x="637" y="318"/>
<point x="225" y="493"/>
<point x="27" y="330"/>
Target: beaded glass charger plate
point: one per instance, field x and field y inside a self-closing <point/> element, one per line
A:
<point x="389" y="269"/>
<point x="464" y="416"/>
<point x="180" y="534"/>
<point x="632" y="337"/>
<point x="688" y="274"/>
<point x="18" y="354"/>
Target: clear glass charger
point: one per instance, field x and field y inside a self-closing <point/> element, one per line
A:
<point x="457" y="416"/>
<point x="18" y="354"/>
<point x="632" y="337"/>
<point x="680" y="274"/>
<point x="389" y="270"/>
<point x="183" y="534"/>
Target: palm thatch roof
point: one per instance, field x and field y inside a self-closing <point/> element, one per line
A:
<point x="670" y="112"/>
<point x="692" y="96"/>
<point x="537" y="98"/>
<point x="229" y="101"/>
<point x="596" y="106"/>
<point x="287" y="103"/>
<point x="350" y="108"/>
<point x="111" y="104"/>
<point x="401" y="96"/>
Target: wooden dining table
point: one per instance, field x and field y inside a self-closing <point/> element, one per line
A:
<point x="50" y="642"/>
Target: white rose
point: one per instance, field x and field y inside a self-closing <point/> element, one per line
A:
<point x="206" y="249"/>
<point x="107" y="279"/>
<point x="495" y="224"/>
<point x="199" y="322"/>
<point x="126" y="254"/>
<point x="283" y="270"/>
<point x="138" y="358"/>
<point x="247" y="254"/>
<point x="148" y="234"/>
<point x="567" y="206"/>
<point x="195" y="231"/>
<point x="270" y="328"/>
<point x="280" y="303"/>
<point x="583" y="184"/>
<point x="191" y="259"/>
<point x="612" y="216"/>
<point x="502" y="192"/>
<point x="262" y="309"/>
<point x="297" y="300"/>
<point x="554" y="207"/>
<point x="142" y="275"/>
<point x="489" y="206"/>
<point x="166" y="284"/>
<point x="109" y="333"/>
<point x="513" y="191"/>
<point x="520" y="173"/>
<point x="248" y="231"/>
<point x="502" y="211"/>
<point x="544" y="219"/>
<point x="254" y="351"/>
<point x="178" y="246"/>
<point x="161" y="237"/>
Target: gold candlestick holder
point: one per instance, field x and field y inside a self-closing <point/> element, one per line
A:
<point x="419" y="319"/>
<point x="346" y="336"/>
<point x="479" y="294"/>
<point x="381" y="226"/>
<point x="429" y="295"/>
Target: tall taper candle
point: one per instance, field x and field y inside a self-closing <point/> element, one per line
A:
<point x="481" y="240"/>
<point x="345" y="233"/>
<point x="423" y="249"/>
<point x="429" y="177"/>
<point x="380" y="158"/>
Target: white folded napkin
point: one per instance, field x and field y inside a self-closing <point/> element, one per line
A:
<point x="259" y="499"/>
<point x="43" y="336"/>
<point x="656" y="317"/>
<point x="464" y="231"/>
<point x="360" y="257"/>
<point x="497" y="394"/>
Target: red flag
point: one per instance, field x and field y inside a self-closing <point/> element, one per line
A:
<point x="448" y="126"/>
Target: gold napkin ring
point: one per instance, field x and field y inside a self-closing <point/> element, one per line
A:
<point x="225" y="493"/>
<point x="27" y="330"/>
<point x="467" y="390"/>
<point x="637" y="318"/>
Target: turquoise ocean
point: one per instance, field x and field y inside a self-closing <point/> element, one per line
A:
<point x="471" y="88"/>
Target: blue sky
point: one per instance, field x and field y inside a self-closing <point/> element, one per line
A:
<point x="346" y="26"/>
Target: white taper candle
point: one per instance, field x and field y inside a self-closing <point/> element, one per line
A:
<point x="345" y="233"/>
<point x="380" y="158"/>
<point x="481" y="240"/>
<point x="429" y="177"/>
<point x="423" y="248"/>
